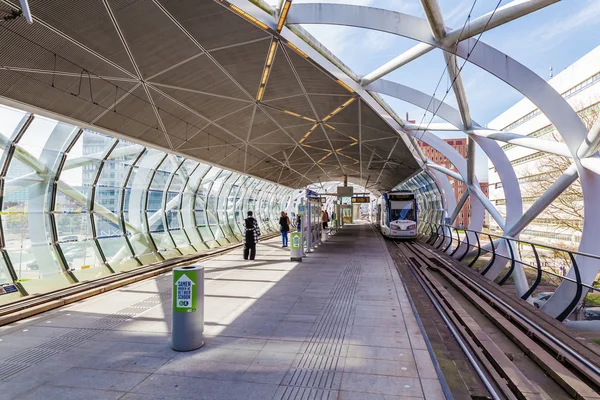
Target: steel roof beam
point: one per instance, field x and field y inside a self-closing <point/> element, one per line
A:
<point x="591" y="142"/>
<point x="507" y="13"/>
<point x="447" y="171"/>
<point x="551" y="194"/>
<point x="459" y="206"/>
<point x="546" y="146"/>
<point x="436" y="126"/>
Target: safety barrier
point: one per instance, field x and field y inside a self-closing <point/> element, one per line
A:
<point x="470" y="247"/>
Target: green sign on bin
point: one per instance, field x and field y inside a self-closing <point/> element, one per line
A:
<point x="296" y="237"/>
<point x="184" y="296"/>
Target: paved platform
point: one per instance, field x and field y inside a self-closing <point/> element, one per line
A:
<point x="336" y="326"/>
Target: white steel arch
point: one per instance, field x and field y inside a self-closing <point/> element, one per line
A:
<point x="566" y="121"/>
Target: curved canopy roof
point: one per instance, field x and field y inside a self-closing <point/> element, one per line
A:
<point x="206" y="80"/>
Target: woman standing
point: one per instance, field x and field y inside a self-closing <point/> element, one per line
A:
<point x="284" y="223"/>
<point x="324" y="218"/>
<point x="251" y="236"/>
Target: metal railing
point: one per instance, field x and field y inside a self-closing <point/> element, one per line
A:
<point x="458" y="243"/>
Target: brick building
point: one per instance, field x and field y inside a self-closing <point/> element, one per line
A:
<point x="459" y="187"/>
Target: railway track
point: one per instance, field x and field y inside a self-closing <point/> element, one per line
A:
<point x="515" y="356"/>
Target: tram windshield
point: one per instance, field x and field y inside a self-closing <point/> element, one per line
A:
<point x="402" y="210"/>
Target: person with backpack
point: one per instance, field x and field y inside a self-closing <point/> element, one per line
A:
<point x="251" y="236"/>
<point x="284" y="223"/>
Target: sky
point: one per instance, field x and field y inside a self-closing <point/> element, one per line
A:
<point x="555" y="36"/>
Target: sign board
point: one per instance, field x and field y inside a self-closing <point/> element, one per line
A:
<point x="403" y="196"/>
<point x="323" y="199"/>
<point x="184" y="299"/>
<point x="301" y="209"/>
<point x="296" y="236"/>
<point x="361" y="199"/>
<point x="312" y="194"/>
<point x="7" y="289"/>
<point x="345" y="190"/>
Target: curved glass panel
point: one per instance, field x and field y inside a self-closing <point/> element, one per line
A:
<point x="215" y="204"/>
<point x="72" y="213"/>
<point x="192" y="209"/>
<point x="78" y="205"/>
<point x="173" y="206"/>
<point x="156" y="207"/>
<point x="206" y="216"/>
<point x="429" y="198"/>
<point x="137" y="200"/>
<point x="223" y="205"/>
<point x="108" y="198"/>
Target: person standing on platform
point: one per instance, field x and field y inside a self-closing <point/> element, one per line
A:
<point x="324" y="218"/>
<point x="251" y="236"/>
<point x="284" y="223"/>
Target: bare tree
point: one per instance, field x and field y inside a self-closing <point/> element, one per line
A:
<point x="565" y="214"/>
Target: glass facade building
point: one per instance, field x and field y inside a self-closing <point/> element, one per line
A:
<point x="78" y="205"/>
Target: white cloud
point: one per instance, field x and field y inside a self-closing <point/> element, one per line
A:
<point x="457" y="15"/>
<point x="552" y="31"/>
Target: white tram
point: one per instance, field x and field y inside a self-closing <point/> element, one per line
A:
<point x="396" y="214"/>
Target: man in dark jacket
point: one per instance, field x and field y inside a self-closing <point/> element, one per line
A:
<point x="250" y="236"/>
<point x="284" y="223"/>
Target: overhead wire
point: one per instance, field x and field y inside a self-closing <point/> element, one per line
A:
<point x="445" y="69"/>
<point x="469" y="52"/>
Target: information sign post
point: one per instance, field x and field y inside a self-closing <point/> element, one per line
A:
<point x="188" y="308"/>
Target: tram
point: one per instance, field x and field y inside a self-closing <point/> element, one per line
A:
<point x="396" y="214"/>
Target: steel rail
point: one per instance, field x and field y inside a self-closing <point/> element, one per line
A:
<point x="528" y="321"/>
<point x="457" y="336"/>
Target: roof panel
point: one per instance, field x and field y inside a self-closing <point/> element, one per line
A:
<point x="210" y="107"/>
<point x="313" y="79"/>
<point x="190" y="88"/>
<point x="327" y="104"/>
<point x="211" y="24"/>
<point x="298" y="110"/>
<point x="49" y="51"/>
<point x="239" y="123"/>
<point x="245" y="63"/>
<point x="263" y="125"/>
<point x="87" y="22"/>
<point x="282" y="79"/>
<point x="155" y="43"/>
<point x="200" y="74"/>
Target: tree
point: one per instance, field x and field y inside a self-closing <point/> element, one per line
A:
<point x="566" y="213"/>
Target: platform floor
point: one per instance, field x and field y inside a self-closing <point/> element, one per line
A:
<point x="336" y="326"/>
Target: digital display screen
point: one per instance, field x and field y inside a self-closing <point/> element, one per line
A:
<point x="399" y="197"/>
<point x="361" y="199"/>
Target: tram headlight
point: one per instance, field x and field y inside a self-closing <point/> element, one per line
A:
<point x="413" y="226"/>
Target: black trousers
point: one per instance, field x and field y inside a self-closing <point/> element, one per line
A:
<point x="250" y="250"/>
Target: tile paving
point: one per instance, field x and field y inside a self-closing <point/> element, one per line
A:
<point x="336" y="326"/>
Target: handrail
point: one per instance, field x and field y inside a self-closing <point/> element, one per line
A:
<point x="512" y="265"/>
<point x="439" y="231"/>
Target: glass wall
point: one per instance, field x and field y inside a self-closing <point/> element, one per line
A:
<point x="78" y="205"/>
